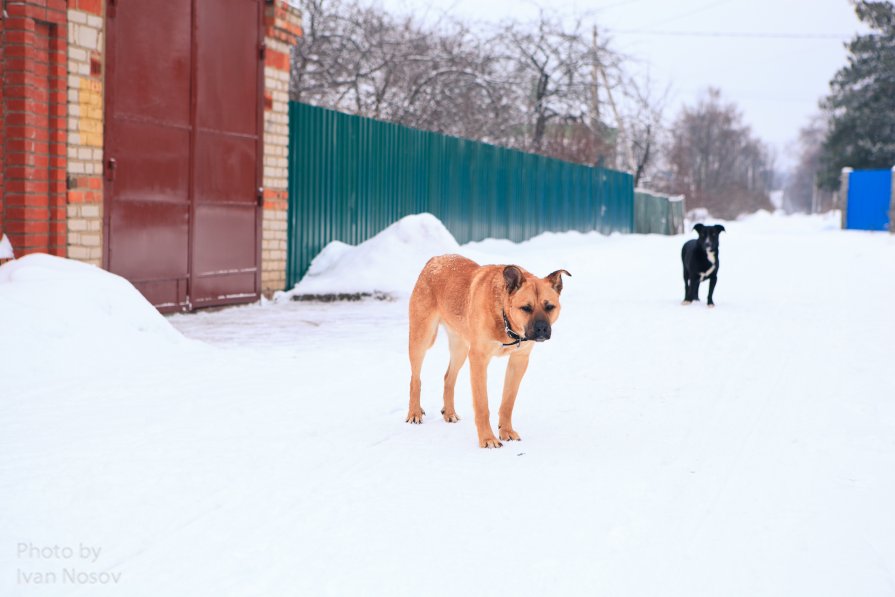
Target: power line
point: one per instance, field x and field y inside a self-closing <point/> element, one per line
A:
<point x="698" y="10"/>
<point x="734" y="34"/>
<point x="617" y="4"/>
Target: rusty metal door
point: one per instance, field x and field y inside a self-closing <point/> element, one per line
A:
<point x="182" y="217"/>
<point x="227" y="156"/>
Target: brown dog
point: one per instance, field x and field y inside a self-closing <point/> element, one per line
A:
<point x="488" y="311"/>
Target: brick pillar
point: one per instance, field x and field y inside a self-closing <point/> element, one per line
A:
<point x="2" y="119"/>
<point x="86" y="51"/>
<point x="283" y="27"/>
<point x="33" y="48"/>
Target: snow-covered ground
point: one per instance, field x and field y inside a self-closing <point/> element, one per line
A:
<point x="667" y="450"/>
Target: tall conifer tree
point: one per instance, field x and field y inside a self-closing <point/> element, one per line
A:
<point x="861" y="104"/>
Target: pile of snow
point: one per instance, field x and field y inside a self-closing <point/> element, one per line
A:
<point x="778" y="221"/>
<point x="776" y="198"/>
<point x="6" y="251"/>
<point x="48" y="301"/>
<point x="387" y="264"/>
<point x="645" y="191"/>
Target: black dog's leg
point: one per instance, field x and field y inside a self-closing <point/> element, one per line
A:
<point x="712" y="281"/>
<point x="694" y="287"/>
<point x="686" y="286"/>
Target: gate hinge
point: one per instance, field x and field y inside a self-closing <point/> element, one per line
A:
<point x="260" y="197"/>
<point x="262" y="51"/>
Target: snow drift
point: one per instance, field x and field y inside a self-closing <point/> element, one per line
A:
<point x="387" y="264"/>
<point x="49" y="303"/>
<point x="6" y="251"/>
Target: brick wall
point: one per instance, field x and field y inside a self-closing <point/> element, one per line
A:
<point x="33" y="129"/>
<point x="283" y="27"/>
<point x="85" y="130"/>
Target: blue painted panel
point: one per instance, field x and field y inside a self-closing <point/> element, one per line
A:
<point x="869" y="194"/>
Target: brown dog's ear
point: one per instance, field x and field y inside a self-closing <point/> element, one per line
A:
<point x="555" y="279"/>
<point x="512" y="275"/>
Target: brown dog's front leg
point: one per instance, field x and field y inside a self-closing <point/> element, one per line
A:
<point x="478" y="373"/>
<point x="516" y="368"/>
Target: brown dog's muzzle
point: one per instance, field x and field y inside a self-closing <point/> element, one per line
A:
<point x="540" y="330"/>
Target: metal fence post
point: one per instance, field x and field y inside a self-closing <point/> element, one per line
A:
<point x="843" y="195"/>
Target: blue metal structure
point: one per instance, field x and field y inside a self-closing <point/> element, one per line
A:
<point x="869" y="199"/>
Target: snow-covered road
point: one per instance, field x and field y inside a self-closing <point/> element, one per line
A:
<point x="667" y="450"/>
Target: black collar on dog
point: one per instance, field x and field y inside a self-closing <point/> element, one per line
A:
<point x="517" y="339"/>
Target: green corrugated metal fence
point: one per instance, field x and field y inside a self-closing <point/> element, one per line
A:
<point x="351" y="177"/>
<point x="655" y="213"/>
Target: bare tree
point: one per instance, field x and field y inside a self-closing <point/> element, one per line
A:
<point x="362" y="60"/>
<point x="716" y="162"/>
<point x="458" y="88"/>
<point x="541" y="86"/>
<point x="644" y="116"/>
<point x="353" y="58"/>
<point x="556" y="67"/>
<point x="802" y="192"/>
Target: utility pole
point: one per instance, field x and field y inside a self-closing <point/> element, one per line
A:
<point x="596" y="125"/>
<point x="596" y="63"/>
<point x="629" y="153"/>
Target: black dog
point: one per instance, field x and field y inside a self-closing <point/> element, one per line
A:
<point x="701" y="261"/>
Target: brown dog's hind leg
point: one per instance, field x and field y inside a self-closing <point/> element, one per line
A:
<point x="423" y="329"/>
<point x="459" y="350"/>
<point x="516" y="368"/>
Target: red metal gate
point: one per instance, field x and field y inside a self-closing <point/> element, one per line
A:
<point x="184" y="88"/>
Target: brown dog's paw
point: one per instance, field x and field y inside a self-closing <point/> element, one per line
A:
<point x="509" y="435"/>
<point x="450" y="417"/>
<point x="490" y="442"/>
<point x="415" y="416"/>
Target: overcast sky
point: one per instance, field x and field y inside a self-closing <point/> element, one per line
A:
<point x="773" y="58"/>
